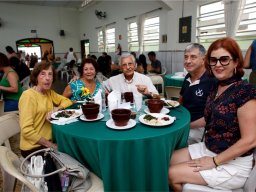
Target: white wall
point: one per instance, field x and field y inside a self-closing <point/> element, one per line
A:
<point x="18" y="20"/>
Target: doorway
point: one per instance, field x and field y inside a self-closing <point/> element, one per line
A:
<point x="85" y="48"/>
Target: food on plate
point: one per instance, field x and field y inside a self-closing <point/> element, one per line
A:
<point x="65" y="114"/>
<point x="171" y="103"/>
<point x="155" y="120"/>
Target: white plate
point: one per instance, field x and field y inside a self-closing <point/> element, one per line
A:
<point x="80" y="101"/>
<point x="100" y="116"/>
<point x="75" y="115"/>
<point x="157" y="115"/>
<point x="163" y="111"/>
<point x="131" y="123"/>
<point x="173" y="103"/>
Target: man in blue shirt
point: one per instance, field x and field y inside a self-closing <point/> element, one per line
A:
<point x="195" y="89"/>
<point x="156" y="66"/>
<point x="250" y="62"/>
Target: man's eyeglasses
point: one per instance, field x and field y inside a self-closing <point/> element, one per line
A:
<point x="126" y="65"/>
<point x="224" y="60"/>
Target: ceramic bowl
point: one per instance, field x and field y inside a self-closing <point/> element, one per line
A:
<point x="155" y="105"/>
<point x="121" y="116"/>
<point x="91" y="110"/>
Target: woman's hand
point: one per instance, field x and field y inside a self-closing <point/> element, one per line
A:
<point x="203" y="163"/>
<point x="74" y="79"/>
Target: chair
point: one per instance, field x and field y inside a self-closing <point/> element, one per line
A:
<point x="10" y="164"/>
<point x="97" y="185"/>
<point x="158" y="81"/>
<point x="9" y="126"/>
<point x="163" y="72"/>
<point x="250" y="184"/>
<point x="25" y="83"/>
<point x="172" y="92"/>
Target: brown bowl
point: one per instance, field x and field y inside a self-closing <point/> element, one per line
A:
<point x="155" y="105"/>
<point x="121" y="116"/>
<point x="91" y="110"/>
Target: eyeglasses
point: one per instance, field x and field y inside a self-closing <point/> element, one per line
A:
<point x="224" y="61"/>
<point x="126" y="65"/>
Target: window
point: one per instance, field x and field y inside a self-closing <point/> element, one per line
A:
<point x="101" y="41"/>
<point x="247" y="28"/>
<point x="133" y="42"/>
<point x="210" y="23"/>
<point x="110" y="40"/>
<point x="151" y="34"/>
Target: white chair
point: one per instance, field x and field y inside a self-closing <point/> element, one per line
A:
<point x="10" y="164"/>
<point x="250" y="184"/>
<point x="172" y="92"/>
<point x="25" y="83"/>
<point x="9" y="126"/>
<point x="97" y="184"/>
<point x="158" y="81"/>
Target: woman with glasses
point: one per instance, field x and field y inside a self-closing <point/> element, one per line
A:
<point x="224" y="160"/>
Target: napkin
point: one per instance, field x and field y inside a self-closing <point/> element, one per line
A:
<point x="126" y="105"/>
<point x="98" y="99"/>
<point x="64" y="121"/>
<point x="114" y="99"/>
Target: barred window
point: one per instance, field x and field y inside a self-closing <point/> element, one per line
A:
<point x="110" y="40"/>
<point x="101" y="41"/>
<point x="151" y="34"/>
<point x="133" y="41"/>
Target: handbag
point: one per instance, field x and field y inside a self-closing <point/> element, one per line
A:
<point x="73" y="175"/>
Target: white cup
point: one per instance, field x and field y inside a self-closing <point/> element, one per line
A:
<point x="138" y="101"/>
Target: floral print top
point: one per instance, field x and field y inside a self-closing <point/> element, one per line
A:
<point x="222" y="126"/>
<point x="77" y="93"/>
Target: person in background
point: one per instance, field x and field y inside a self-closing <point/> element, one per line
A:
<point x="250" y="62"/>
<point x="195" y="89"/>
<point x="130" y="80"/>
<point x="21" y="68"/>
<point x="143" y="62"/>
<point x="88" y="71"/>
<point x="35" y="108"/>
<point x="10" y="86"/>
<point x="225" y="159"/>
<point x="70" y="55"/>
<point x="10" y="52"/>
<point x="156" y="66"/>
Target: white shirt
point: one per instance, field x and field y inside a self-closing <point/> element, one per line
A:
<point x="118" y="83"/>
<point x="70" y="57"/>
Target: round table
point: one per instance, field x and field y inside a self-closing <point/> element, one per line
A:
<point x="172" y="80"/>
<point x="136" y="159"/>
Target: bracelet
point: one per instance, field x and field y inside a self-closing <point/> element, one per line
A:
<point x="215" y="162"/>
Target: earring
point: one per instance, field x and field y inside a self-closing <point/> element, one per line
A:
<point x="235" y="71"/>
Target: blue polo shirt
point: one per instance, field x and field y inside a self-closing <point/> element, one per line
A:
<point x="195" y="94"/>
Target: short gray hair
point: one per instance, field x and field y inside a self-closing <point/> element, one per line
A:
<point x="196" y="46"/>
<point x="125" y="55"/>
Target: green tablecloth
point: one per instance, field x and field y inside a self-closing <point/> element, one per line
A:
<point x="169" y="81"/>
<point x="130" y="160"/>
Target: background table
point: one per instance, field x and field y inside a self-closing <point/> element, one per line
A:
<point x="130" y="160"/>
<point x="170" y="81"/>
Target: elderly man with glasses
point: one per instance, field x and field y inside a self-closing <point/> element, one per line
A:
<point x="195" y="89"/>
<point x="131" y="81"/>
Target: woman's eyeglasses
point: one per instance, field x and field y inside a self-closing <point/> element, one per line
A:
<point x="224" y="60"/>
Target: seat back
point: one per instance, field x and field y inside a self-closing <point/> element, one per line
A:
<point x="172" y="92"/>
<point x="10" y="164"/>
<point x="158" y="81"/>
<point x="9" y="126"/>
<point x="250" y="184"/>
<point x="25" y="83"/>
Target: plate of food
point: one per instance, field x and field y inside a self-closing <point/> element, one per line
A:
<point x="171" y="103"/>
<point x="67" y="113"/>
<point x="156" y="119"/>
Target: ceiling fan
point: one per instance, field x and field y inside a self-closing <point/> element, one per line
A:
<point x="100" y="14"/>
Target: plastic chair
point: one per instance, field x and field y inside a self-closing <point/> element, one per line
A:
<point x="9" y="126"/>
<point x="10" y="164"/>
<point x="158" y="81"/>
<point x="250" y="184"/>
<point x="25" y="83"/>
<point x="172" y="92"/>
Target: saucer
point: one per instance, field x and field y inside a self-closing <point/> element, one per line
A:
<point x="163" y="111"/>
<point x="100" y="116"/>
<point x="131" y="123"/>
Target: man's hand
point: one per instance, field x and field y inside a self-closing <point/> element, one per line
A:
<point x="143" y="89"/>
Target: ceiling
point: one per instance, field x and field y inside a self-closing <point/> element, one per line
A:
<point x="65" y="3"/>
